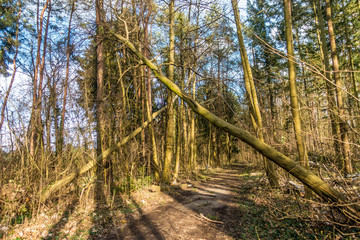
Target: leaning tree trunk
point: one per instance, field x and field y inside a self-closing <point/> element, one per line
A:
<point x="250" y="88"/>
<point x="46" y="193"/>
<point x="308" y="178"/>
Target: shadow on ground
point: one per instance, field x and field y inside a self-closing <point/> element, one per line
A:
<point x="55" y="232"/>
<point x="141" y="228"/>
<point x="103" y="224"/>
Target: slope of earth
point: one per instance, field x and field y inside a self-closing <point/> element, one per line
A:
<point x="228" y="203"/>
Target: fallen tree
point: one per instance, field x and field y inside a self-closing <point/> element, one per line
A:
<point x="46" y="193"/>
<point x="315" y="183"/>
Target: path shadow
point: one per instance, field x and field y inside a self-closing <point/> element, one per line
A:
<point x="141" y="228"/>
<point x="138" y="225"/>
<point x="217" y="207"/>
<point x="240" y="216"/>
<point x="55" y="230"/>
<point x="103" y="224"/>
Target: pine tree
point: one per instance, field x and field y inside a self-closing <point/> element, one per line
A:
<point x="8" y="21"/>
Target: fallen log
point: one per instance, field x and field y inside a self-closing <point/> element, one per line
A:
<point x="315" y="183"/>
<point x="46" y="193"/>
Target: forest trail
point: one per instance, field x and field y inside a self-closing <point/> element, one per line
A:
<point x="199" y="210"/>
<point x="224" y="203"/>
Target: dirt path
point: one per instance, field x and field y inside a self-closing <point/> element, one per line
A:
<point x="200" y="210"/>
<point x="230" y="203"/>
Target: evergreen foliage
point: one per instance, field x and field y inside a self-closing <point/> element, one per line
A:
<point x="9" y="10"/>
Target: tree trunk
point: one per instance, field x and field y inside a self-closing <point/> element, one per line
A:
<point x="35" y="119"/>
<point x="60" y="144"/>
<point x="251" y="91"/>
<point x="345" y="164"/>
<point x="99" y="76"/>
<point x="99" y="196"/>
<point x="178" y="144"/>
<point x="295" y="109"/>
<point x="192" y="143"/>
<point x="170" y="120"/>
<point x="329" y="87"/>
<point x="155" y="158"/>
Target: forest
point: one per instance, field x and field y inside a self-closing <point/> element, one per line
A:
<point x="242" y="114"/>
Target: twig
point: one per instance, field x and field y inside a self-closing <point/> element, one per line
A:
<point x="257" y="234"/>
<point x="213" y="221"/>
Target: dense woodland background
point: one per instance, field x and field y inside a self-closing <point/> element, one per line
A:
<point x="70" y="90"/>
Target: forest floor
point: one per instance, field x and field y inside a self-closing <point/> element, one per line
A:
<point x="228" y="203"/>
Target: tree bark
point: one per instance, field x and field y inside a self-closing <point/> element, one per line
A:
<point x="35" y="119"/>
<point x="192" y="143"/>
<point x="345" y="164"/>
<point x="155" y="158"/>
<point x="329" y="87"/>
<point x="100" y="174"/>
<point x="99" y="75"/>
<point x="251" y="91"/>
<point x="60" y="144"/>
<point x="178" y="144"/>
<point x="295" y="109"/>
<point x="170" y="120"/>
